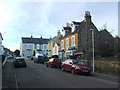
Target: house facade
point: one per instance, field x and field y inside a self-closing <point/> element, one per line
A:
<point x="53" y="45"/>
<point x="80" y="40"/>
<point x="106" y="43"/>
<point x="77" y="40"/>
<point x="68" y="42"/>
<point x="30" y="46"/>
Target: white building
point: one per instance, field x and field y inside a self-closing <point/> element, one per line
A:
<point x="56" y="49"/>
<point x="1" y="47"/>
<point x="53" y="45"/>
<point x="29" y="46"/>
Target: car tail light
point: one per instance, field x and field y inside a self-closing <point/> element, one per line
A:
<point x="16" y="61"/>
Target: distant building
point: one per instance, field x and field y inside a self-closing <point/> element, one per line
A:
<point x="106" y="43"/>
<point x="29" y="46"/>
<point x="53" y="45"/>
<point x="1" y="46"/>
<point x="8" y="52"/>
<point x="117" y="46"/>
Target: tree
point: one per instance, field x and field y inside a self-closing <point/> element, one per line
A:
<point x="17" y="52"/>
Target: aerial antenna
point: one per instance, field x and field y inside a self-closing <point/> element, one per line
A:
<point x="111" y="31"/>
<point x="105" y="26"/>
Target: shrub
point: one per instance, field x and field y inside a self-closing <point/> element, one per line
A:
<point x="107" y="66"/>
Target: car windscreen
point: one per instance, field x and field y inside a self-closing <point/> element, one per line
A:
<point x="40" y="57"/>
<point x="79" y="62"/>
<point x="20" y="59"/>
<point x="57" y="60"/>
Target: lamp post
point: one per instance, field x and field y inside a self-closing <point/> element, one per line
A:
<point x="93" y="64"/>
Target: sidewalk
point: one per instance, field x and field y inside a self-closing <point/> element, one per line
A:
<point x="106" y="76"/>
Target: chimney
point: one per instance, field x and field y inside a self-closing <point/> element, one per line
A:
<point x="31" y="36"/>
<point x="41" y="37"/>
<point x="58" y="33"/>
<point x="87" y="16"/>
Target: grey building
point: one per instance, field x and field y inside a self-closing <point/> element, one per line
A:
<point x="85" y="36"/>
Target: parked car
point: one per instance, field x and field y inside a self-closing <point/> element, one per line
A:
<point x="39" y="58"/>
<point x="54" y="62"/>
<point x="76" y="66"/>
<point x="19" y="61"/>
<point x="10" y="58"/>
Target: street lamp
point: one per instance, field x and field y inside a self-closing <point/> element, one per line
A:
<point x="93" y="64"/>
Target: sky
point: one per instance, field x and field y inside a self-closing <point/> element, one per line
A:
<point x="23" y="18"/>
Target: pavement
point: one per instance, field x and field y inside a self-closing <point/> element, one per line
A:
<point x="106" y="76"/>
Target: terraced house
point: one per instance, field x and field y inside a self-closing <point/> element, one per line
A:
<point x="29" y="46"/>
<point x="77" y="39"/>
<point x="53" y="45"/>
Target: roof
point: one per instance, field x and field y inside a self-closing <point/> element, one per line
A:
<point x="80" y="25"/>
<point x="74" y="22"/>
<point x="56" y="40"/>
<point x="34" y="40"/>
<point x="67" y="28"/>
<point x="1" y="36"/>
<point x="105" y="32"/>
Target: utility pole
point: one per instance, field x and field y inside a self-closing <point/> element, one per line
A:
<point x="93" y="65"/>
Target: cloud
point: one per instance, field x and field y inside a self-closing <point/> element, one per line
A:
<point x="45" y="18"/>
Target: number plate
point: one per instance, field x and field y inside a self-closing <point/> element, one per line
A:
<point x="85" y="70"/>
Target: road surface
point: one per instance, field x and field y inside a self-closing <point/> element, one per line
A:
<point x="40" y="76"/>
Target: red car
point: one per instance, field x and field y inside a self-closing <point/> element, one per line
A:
<point x="54" y="62"/>
<point x="19" y="62"/>
<point x="75" y="66"/>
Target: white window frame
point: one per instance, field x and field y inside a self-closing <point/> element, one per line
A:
<point x="67" y="43"/>
<point x="73" y="41"/>
<point x="62" y="44"/>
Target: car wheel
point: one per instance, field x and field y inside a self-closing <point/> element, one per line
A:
<point x="63" y="69"/>
<point x="51" y="66"/>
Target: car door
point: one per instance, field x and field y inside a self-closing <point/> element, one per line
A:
<point x="55" y="62"/>
<point x="65" y="64"/>
<point x="69" y="65"/>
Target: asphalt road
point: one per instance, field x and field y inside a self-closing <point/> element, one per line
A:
<point x="40" y="76"/>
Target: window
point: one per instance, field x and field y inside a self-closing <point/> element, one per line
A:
<point x="73" y="40"/>
<point x="55" y="49"/>
<point x="35" y="46"/>
<point x="67" y="43"/>
<point x="62" y="42"/>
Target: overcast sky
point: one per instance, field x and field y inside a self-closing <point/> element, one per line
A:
<point x="36" y="18"/>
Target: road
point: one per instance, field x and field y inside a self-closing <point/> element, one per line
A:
<point x="40" y="76"/>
